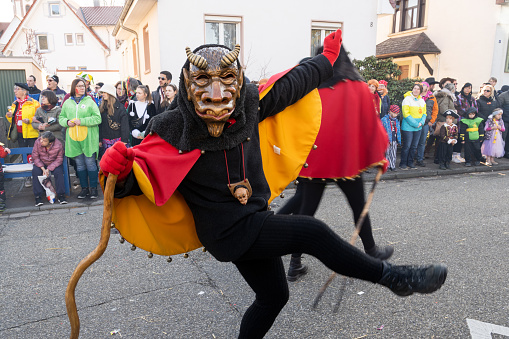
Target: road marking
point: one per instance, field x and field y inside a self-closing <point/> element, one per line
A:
<point x="481" y="330"/>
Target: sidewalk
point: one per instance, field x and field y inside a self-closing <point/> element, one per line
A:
<point x="21" y="202"/>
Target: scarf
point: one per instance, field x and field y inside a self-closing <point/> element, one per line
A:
<point x="47" y="108"/>
<point x="449" y="93"/>
<point x="19" y="114"/>
<point x="427" y="95"/>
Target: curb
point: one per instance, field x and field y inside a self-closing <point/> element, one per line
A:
<point x="28" y="211"/>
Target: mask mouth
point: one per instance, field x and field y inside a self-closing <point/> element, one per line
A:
<point x="211" y="115"/>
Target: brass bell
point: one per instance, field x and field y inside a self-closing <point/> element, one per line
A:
<point x="150" y="255"/>
<point x="315" y="147"/>
<point x="133" y="248"/>
<point x="323" y="179"/>
<point x="269" y="208"/>
<point x="282" y="195"/>
<point x="306" y="165"/>
<point x="122" y="240"/>
<point x="150" y="133"/>
<point x="258" y="108"/>
<point x="112" y="225"/>
<point x="181" y="151"/>
<point x="204" y="249"/>
<point x="186" y="255"/>
<point x="169" y="259"/>
<point x="248" y="139"/>
<point x="335" y="180"/>
<point x="296" y="182"/>
<point x="202" y="152"/>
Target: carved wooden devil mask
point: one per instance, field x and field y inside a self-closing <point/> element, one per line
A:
<point x="213" y="83"/>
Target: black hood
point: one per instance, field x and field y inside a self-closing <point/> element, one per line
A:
<point x="343" y="68"/>
<point x="185" y="130"/>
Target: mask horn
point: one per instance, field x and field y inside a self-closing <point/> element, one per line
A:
<point x="230" y="58"/>
<point x="196" y="60"/>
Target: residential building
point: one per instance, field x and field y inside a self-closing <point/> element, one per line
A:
<point x="273" y="35"/>
<point x="66" y="39"/>
<point x="464" y="39"/>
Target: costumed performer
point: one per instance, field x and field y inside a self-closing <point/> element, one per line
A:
<point x="212" y="141"/>
<point x="342" y="153"/>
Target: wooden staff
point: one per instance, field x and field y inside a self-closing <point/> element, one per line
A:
<point x="353" y="239"/>
<point x="70" y="301"/>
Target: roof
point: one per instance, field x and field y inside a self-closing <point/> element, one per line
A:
<point x="406" y="45"/>
<point x="100" y="15"/>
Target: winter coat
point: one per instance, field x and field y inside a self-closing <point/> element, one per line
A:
<point x="54" y="127"/>
<point x="485" y="107"/>
<point x="27" y="112"/>
<point x="445" y="101"/>
<point x="118" y="120"/>
<point x="462" y="105"/>
<point x="431" y="109"/>
<point x="50" y="158"/>
<point x="34" y="93"/>
<point x="503" y="100"/>
<point x="156" y="96"/>
<point x="386" y="103"/>
<point x="83" y="139"/>
<point x="414" y="113"/>
<point x="386" y="122"/>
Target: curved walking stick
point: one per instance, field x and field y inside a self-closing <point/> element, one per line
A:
<point x="353" y="239"/>
<point x="70" y="301"/>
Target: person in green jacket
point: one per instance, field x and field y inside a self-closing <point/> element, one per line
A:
<point x="471" y="138"/>
<point x="81" y="116"/>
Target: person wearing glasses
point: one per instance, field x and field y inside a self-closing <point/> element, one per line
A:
<point x="53" y="86"/>
<point x="486" y="103"/>
<point x="82" y="118"/>
<point x="20" y="117"/>
<point x="158" y="95"/>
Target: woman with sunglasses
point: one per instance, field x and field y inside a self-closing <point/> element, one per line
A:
<point x="486" y="102"/>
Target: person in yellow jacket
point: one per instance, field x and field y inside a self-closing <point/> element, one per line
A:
<point x="414" y="117"/>
<point x="20" y="117"/>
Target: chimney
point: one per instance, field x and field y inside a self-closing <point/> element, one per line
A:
<point x="97" y="3"/>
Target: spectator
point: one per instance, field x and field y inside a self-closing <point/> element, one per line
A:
<point x="443" y="82"/>
<point x="97" y="92"/>
<point x="53" y="86"/>
<point x="448" y="137"/>
<point x="169" y="95"/>
<point x="493" y="145"/>
<point x="386" y="102"/>
<point x="504" y="89"/>
<point x="486" y="102"/>
<point x="33" y="91"/>
<point x="46" y="116"/>
<point x="503" y="100"/>
<point x="158" y="95"/>
<point x="114" y="119"/>
<point x="88" y="79"/>
<point x="431" y="116"/>
<point x="23" y="110"/>
<point x="140" y="112"/>
<point x="445" y="99"/>
<point x="121" y="93"/>
<point x="414" y="115"/>
<point x="82" y="118"/>
<point x="373" y="87"/>
<point x="431" y="82"/>
<point x="3" y="153"/>
<point x="392" y="127"/>
<point x="131" y="84"/>
<point x="493" y="82"/>
<point x="469" y="134"/>
<point x="48" y="158"/>
<point x="465" y="100"/>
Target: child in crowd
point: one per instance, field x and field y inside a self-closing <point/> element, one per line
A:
<point x="3" y="153"/>
<point x="447" y="139"/>
<point x="469" y="134"/>
<point x="392" y="127"/>
<point x="493" y="145"/>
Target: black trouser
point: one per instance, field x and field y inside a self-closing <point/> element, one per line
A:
<point x="262" y="267"/>
<point x="444" y="153"/>
<point x="58" y="173"/>
<point x="25" y="142"/>
<point x="473" y="151"/>
<point x="309" y="194"/>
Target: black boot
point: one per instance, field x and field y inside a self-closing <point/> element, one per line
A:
<point x="383" y="253"/>
<point x="448" y="165"/>
<point x="296" y="269"/>
<point x="406" y="280"/>
<point x="83" y="194"/>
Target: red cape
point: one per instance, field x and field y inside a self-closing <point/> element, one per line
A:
<point x="351" y="137"/>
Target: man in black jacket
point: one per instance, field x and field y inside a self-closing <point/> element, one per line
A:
<point x="158" y="95"/>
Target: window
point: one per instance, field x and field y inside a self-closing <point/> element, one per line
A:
<point x="319" y="30"/>
<point x="135" y="58"/>
<point x="222" y="30"/>
<point x="146" y="49"/>
<point x="54" y="9"/>
<point x="42" y="42"/>
<point x="71" y="68"/>
<point x="69" y="39"/>
<point x="82" y="68"/>
<point x="80" y="40"/>
<point x="405" y="72"/>
<point x="409" y="14"/>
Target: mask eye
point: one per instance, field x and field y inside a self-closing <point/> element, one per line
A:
<point x="228" y="78"/>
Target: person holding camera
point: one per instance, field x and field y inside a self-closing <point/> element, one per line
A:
<point x="46" y="116"/>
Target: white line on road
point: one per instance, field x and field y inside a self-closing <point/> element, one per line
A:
<point x="481" y="330"/>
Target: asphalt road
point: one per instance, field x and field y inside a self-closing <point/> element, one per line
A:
<point x="461" y="221"/>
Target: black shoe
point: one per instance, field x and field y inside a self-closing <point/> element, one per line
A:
<point x="83" y="194"/>
<point x="93" y="193"/>
<point x="38" y="201"/>
<point x="407" y="280"/>
<point x="420" y="164"/>
<point x="448" y="165"/>
<point x="436" y="161"/>
<point x="61" y="199"/>
<point x="467" y="164"/>
<point x="383" y="253"/>
<point x="477" y="163"/>
<point x="442" y="167"/>
<point x="296" y="269"/>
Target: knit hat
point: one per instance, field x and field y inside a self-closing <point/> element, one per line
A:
<point x="394" y="109"/>
<point x="107" y="88"/>
<point x="55" y="78"/>
<point x="373" y="82"/>
<point x="382" y="82"/>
